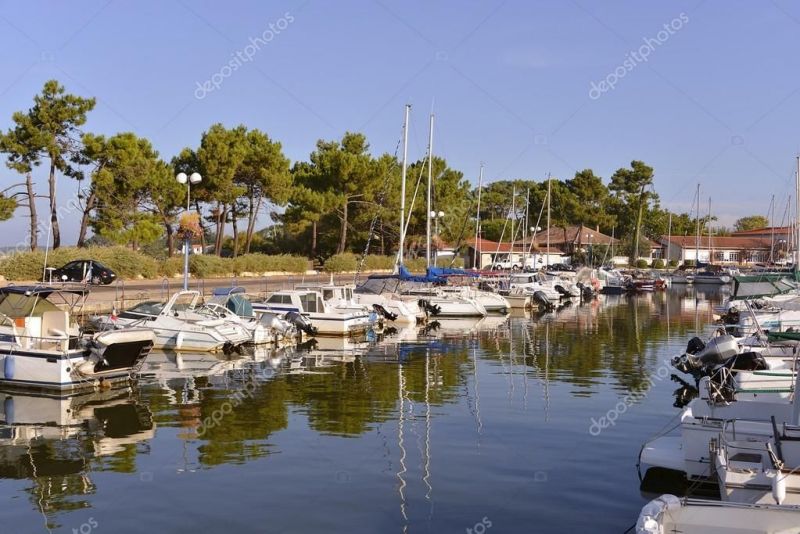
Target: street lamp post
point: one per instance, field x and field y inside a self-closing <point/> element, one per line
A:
<point x="436" y="215"/>
<point x="195" y="179"/>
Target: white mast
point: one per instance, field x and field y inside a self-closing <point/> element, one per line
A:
<point x="513" y="214"/>
<point x="403" y="187"/>
<point x="477" y="247"/>
<point x="697" y="238"/>
<point x="547" y="252"/>
<point x="710" y="243"/>
<point x="797" y="219"/>
<point x="771" y="220"/>
<point x="525" y="229"/>
<point x="669" y="237"/>
<point x="430" y="180"/>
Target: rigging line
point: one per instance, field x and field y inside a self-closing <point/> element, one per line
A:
<point x="381" y="198"/>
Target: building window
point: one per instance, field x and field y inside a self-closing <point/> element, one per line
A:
<point x="719" y="256"/>
<point x="733" y="256"/>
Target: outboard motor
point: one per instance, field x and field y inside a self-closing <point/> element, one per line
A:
<point x="562" y="291"/>
<point x="430" y="309"/>
<point x="695" y="345"/>
<point x="383" y="312"/>
<point x="301" y="323"/>
<point x="701" y="359"/>
<point x="541" y="299"/>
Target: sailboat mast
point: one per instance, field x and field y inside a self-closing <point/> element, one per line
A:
<point x="547" y="252"/>
<point x="797" y="218"/>
<point x="708" y="227"/>
<point x="772" y="230"/>
<point x="430" y="182"/>
<point x="478" y="222"/>
<point x="669" y="238"/>
<point x="697" y="239"/>
<point x="403" y="186"/>
<point x="525" y="229"/>
<point x="512" y="214"/>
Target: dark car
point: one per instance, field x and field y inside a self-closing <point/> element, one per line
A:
<point x="89" y="271"/>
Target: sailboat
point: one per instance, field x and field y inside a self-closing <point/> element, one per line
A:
<point x="425" y="290"/>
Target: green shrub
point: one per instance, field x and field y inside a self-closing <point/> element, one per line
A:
<point x="376" y="262"/>
<point x="415" y="264"/>
<point x="673" y="263"/>
<point x="206" y="266"/>
<point x="126" y="263"/>
<point x="688" y="263"/>
<point x="171" y="266"/>
<point x="641" y="264"/>
<point x="658" y="264"/>
<point x="339" y="263"/>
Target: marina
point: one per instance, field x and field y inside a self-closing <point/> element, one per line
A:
<point x="415" y="424"/>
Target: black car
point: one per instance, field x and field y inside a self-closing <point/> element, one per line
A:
<point x="90" y="271"/>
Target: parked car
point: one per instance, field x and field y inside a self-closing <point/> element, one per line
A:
<point x="89" y="271"/>
<point x="506" y="265"/>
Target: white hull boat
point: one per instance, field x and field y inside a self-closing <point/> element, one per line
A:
<point x="669" y="514"/>
<point x="326" y="320"/>
<point x="41" y="348"/>
<point x="181" y="325"/>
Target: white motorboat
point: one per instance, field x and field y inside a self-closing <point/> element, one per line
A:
<point x="668" y="514"/>
<point x="42" y="347"/>
<point x="325" y="319"/>
<point x="491" y="302"/>
<point x="374" y="292"/>
<point x="231" y="304"/>
<point x="531" y="284"/>
<point x="181" y="324"/>
<point x="704" y="419"/>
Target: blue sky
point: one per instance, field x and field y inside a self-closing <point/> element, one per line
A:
<point x="717" y="101"/>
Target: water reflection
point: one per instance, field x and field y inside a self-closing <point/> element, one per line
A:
<point x="57" y="443"/>
<point x="406" y="388"/>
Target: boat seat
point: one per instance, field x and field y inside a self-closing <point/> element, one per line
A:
<point x="55" y="328"/>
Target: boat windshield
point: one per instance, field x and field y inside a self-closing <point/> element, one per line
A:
<point x="148" y="307"/>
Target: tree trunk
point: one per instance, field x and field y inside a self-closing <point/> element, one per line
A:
<point x="235" y="230"/>
<point x="251" y="224"/>
<point x="170" y="237"/>
<point x="222" y="213"/>
<point x="202" y="225"/>
<point x="53" y="208"/>
<point x="343" y="233"/>
<point x="313" y="239"/>
<point x="90" y="202"/>
<point x="32" y="209"/>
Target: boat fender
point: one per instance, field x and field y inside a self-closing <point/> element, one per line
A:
<point x="8" y="367"/>
<point x="778" y="486"/>
<point x="649" y="521"/>
<point x="179" y="340"/>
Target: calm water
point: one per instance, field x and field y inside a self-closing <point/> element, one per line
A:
<point x="470" y="425"/>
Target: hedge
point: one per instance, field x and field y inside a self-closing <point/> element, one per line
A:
<point x="125" y="262"/>
<point x="130" y="264"/>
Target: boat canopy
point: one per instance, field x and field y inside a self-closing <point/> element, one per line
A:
<point x="233" y="298"/>
<point x="447" y="271"/>
<point x="14" y="304"/>
<point x="764" y="285"/>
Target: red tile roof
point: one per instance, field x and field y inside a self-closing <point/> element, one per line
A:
<point x="720" y="242"/>
<point x="574" y="235"/>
